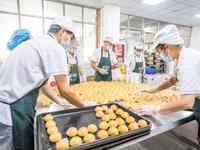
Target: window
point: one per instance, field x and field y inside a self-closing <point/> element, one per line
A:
<point x="27" y="22"/>
<point x="136" y="22"/>
<point x="8" y="24"/>
<point x="8" y="5"/>
<point x="90" y="15"/>
<point x="35" y="9"/>
<point x="52" y="9"/>
<point x="123" y="20"/>
<point x="73" y="12"/>
<point x="47" y="24"/>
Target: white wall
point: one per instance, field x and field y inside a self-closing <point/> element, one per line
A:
<point x="110" y="22"/>
<point x="194" y="43"/>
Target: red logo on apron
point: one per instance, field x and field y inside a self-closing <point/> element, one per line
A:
<point x="53" y="84"/>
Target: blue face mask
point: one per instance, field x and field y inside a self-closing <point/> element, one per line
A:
<point x="138" y="53"/>
<point x="166" y="58"/>
<point x="64" y="44"/>
<point x="72" y="50"/>
<point x="108" y="48"/>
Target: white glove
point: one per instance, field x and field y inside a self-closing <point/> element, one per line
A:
<point x="83" y="79"/>
<point x="89" y="104"/>
<point x="147" y="110"/>
<point x="64" y="103"/>
<point x="150" y="90"/>
<point x="103" y="71"/>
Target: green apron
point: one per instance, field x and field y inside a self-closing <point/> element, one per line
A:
<point x="196" y="109"/>
<point x="23" y="113"/>
<point x="74" y="73"/>
<point x="104" y="63"/>
<point x="138" y="68"/>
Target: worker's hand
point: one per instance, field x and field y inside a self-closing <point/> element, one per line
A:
<point x="89" y="104"/>
<point x="83" y="78"/>
<point x="144" y="73"/>
<point x="69" y="67"/>
<point x="64" y="103"/>
<point x="150" y="90"/>
<point x="147" y="110"/>
<point x="103" y="71"/>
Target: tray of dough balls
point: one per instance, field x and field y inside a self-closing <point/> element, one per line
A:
<point x="88" y="127"/>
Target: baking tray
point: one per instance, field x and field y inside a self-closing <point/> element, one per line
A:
<point x="82" y="117"/>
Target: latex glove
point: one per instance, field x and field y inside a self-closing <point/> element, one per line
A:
<point x="83" y="78"/>
<point x="103" y="71"/>
<point x="147" y="110"/>
<point x="150" y="90"/>
<point x="65" y="103"/>
<point x="89" y="104"/>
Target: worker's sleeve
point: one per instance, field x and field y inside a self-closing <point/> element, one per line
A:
<point x="94" y="56"/>
<point x="55" y="63"/>
<point x="189" y="81"/>
<point x="80" y="60"/>
<point x="113" y="58"/>
<point x="130" y="62"/>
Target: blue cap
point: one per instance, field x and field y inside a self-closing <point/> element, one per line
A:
<point x="17" y="37"/>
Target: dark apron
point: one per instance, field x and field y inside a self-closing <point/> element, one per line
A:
<point x="138" y="68"/>
<point x="196" y="109"/>
<point x="74" y="73"/>
<point x="104" y="63"/>
<point x="23" y="113"/>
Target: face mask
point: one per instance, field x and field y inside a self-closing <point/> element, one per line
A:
<point x="108" y="48"/>
<point x="166" y="58"/>
<point x="138" y="53"/>
<point x="72" y="50"/>
<point x="64" y="44"/>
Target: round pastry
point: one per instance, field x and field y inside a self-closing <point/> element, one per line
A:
<point x="133" y="126"/>
<point x="124" y="115"/>
<point x="63" y="144"/>
<point x="103" y="125"/>
<point x="122" y="128"/>
<point x="114" y="107"/>
<point x="92" y="128"/>
<point x="75" y="141"/>
<point x="72" y="131"/>
<point x="89" y="138"/>
<point x="48" y="117"/>
<point x="50" y="124"/>
<point x="113" y="116"/>
<point x="142" y="123"/>
<point x="104" y="107"/>
<point x="119" y="121"/>
<point x="130" y="119"/>
<point x="99" y="114"/>
<point x="51" y="130"/>
<point x="113" y="131"/>
<point x="106" y="118"/>
<point x="82" y="131"/>
<point x="98" y="108"/>
<point x="119" y="111"/>
<point x="112" y="123"/>
<point x="102" y="134"/>
<point x="55" y="137"/>
<point x="109" y="111"/>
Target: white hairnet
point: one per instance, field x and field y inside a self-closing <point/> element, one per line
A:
<point x="167" y="35"/>
<point x="69" y="25"/>
<point x="139" y="45"/>
<point x="109" y="39"/>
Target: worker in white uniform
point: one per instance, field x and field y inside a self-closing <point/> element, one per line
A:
<point x="167" y="43"/>
<point x="75" y="62"/>
<point x="101" y="60"/>
<point x="25" y="70"/>
<point x="135" y="62"/>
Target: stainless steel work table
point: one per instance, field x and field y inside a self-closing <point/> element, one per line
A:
<point x="160" y="124"/>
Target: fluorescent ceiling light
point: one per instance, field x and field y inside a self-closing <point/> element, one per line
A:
<point x="152" y="2"/>
<point x="197" y="15"/>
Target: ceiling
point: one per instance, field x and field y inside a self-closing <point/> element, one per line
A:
<point x="173" y="11"/>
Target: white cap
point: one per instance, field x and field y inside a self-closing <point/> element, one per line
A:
<point x="69" y="25"/>
<point x="167" y="35"/>
<point x="109" y="39"/>
<point x="139" y="45"/>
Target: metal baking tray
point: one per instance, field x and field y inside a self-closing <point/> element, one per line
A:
<point x="82" y="117"/>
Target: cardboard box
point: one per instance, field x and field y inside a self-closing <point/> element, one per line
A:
<point x="90" y="78"/>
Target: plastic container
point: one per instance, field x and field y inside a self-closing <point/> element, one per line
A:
<point x="150" y="70"/>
